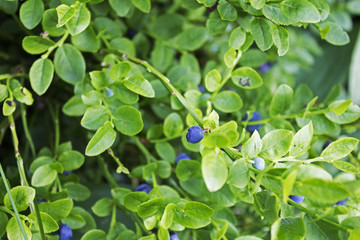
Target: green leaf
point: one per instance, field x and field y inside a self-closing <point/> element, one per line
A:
<point x="301" y="141"/>
<point x="134" y="199"/>
<point x="321" y="124"/>
<point x="128" y="120"/>
<point x="282" y="100"/>
<point x="222" y="137"/>
<point x="192" y="38"/>
<point x="149" y="207"/>
<point x="103" y="207"/>
<point x="239" y="175"/>
<point x="41" y="75"/>
<point x="138" y="84"/>
<point x="58" y="209"/>
<point x="69" y="64"/>
<point x="333" y="33"/>
<point x="288" y="228"/>
<point x="214" y="170"/>
<point x="345" y="166"/>
<point x="142" y="5"/>
<point x="31" y="13"/>
<point x="79" y="21"/>
<point x="94" y="234"/>
<point x="213" y="80"/>
<point x="351" y="114"/>
<point x="74" y="107"/>
<point x="173" y="125"/>
<point x="163" y="234"/>
<point x="165" y="151"/>
<point x="228" y="101"/>
<point x="49" y="22"/>
<point x="3" y="92"/>
<point x="257" y="4"/>
<point x="101" y="141"/>
<point x="339" y="107"/>
<point x="246" y="77"/>
<point x="123" y="44"/>
<point x="71" y="160"/>
<point x="86" y="41"/>
<point x="261" y="31"/>
<point x="186" y="169"/>
<point x="323" y="191"/>
<point x="198" y="210"/>
<point x="230" y="57"/>
<point x="4" y="220"/>
<point x="288" y="184"/>
<point x="120" y="70"/>
<point x="77" y="191"/>
<point x="95" y="117"/>
<point x="23" y="95"/>
<point x="339" y="149"/>
<point x="322" y="6"/>
<point x="168" y="25"/>
<point x="227" y="11"/>
<point x="49" y="224"/>
<point x="22" y="197"/>
<point x="300" y="11"/>
<point x="189" y="222"/>
<point x="121" y="7"/>
<point x="267" y="204"/>
<point x="14" y="232"/>
<point x="163" y="169"/>
<point x="9" y="106"/>
<point x="36" y="44"/>
<point x="123" y="94"/>
<point x="75" y="221"/>
<point x="273" y="12"/>
<point x="168" y="215"/>
<point x="162" y="57"/>
<point x="281" y="39"/>
<point x="43" y="176"/>
<point x="252" y="147"/>
<point x="64" y="14"/>
<point x="276" y="144"/>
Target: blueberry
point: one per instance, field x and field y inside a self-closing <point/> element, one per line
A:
<point x="182" y="156"/>
<point x="202" y="88"/>
<point x="265" y="67"/>
<point x="174" y="236"/>
<point x="255" y="117"/>
<point x="259" y="163"/>
<point x="66" y="172"/>
<point x="195" y="134"/>
<point x="110" y="92"/>
<point x="341" y="202"/>
<point x="297" y="199"/>
<point x="144" y="188"/>
<point x="65" y="232"/>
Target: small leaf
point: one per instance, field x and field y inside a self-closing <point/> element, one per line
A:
<point x="64" y="13"/>
<point x="339" y="149"/>
<point x="301" y="141"/>
<point x="300" y="11"/>
<point x="192" y="38"/>
<point x="79" y="21"/>
<point x="227" y="11"/>
<point x="103" y="207"/>
<point x="94" y="234"/>
<point x="246" y="77"/>
<point x="198" y="210"/>
<point x="101" y="141"/>
<point x="36" y="44"/>
<point x="31" y="13"/>
<point x="282" y="100"/>
<point x="41" y="75"/>
<point x="281" y="39"/>
<point x="213" y="80"/>
<point x="168" y="215"/>
<point x="276" y="144"/>
<point x="43" y="176"/>
<point x="261" y="31"/>
<point x="22" y="197"/>
<point x="214" y="170"/>
<point x="345" y="166"/>
<point x="142" y="5"/>
<point x="173" y="125"/>
<point x="252" y="147"/>
<point x="140" y="85"/>
<point x="228" y="101"/>
<point x="128" y="120"/>
<point x="239" y="175"/>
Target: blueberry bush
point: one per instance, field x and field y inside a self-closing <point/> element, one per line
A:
<point x="179" y="119"/>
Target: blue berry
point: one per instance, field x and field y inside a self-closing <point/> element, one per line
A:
<point x="182" y="156"/>
<point x="202" y="88"/>
<point x="341" y="202"/>
<point x="259" y="163"/>
<point x="66" y="172"/>
<point x="40" y="201"/>
<point x="255" y="117"/>
<point x="65" y="232"/>
<point x="297" y="199"/>
<point x="195" y="134"/>
<point x="110" y="92"/>
<point x="265" y="67"/>
<point x="144" y="188"/>
<point x="174" y="236"/>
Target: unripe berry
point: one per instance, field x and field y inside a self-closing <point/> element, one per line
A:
<point x="182" y="156"/>
<point x="195" y="134"/>
<point x="297" y="199"/>
<point x="144" y="188"/>
<point x="259" y="163"/>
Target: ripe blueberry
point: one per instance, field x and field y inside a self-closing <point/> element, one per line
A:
<point x="341" y="202"/>
<point x="182" y="156"/>
<point x="265" y="67"/>
<point x="195" y="134"/>
<point x="202" y="88"/>
<point x="66" y="172"/>
<point x="144" y="188"/>
<point x="259" y="163"/>
<point x="297" y="199"/>
<point x="255" y="117"/>
<point x="174" y="236"/>
<point x="65" y="232"/>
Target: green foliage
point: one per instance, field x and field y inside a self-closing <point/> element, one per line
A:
<point x="123" y="80"/>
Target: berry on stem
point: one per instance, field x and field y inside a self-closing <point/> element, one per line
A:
<point x="174" y="236"/>
<point x="65" y="232"/>
<point x="259" y="163"/>
<point x="195" y="134"/>
<point x="255" y="117"/>
<point x="297" y="199"/>
<point x="182" y="156"/>
<point x="144" y="188"/>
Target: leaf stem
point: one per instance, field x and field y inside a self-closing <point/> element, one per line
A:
<point x="12" y="202"/>
<point x="26" y="130"/>
<point x="57" y="44"/>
